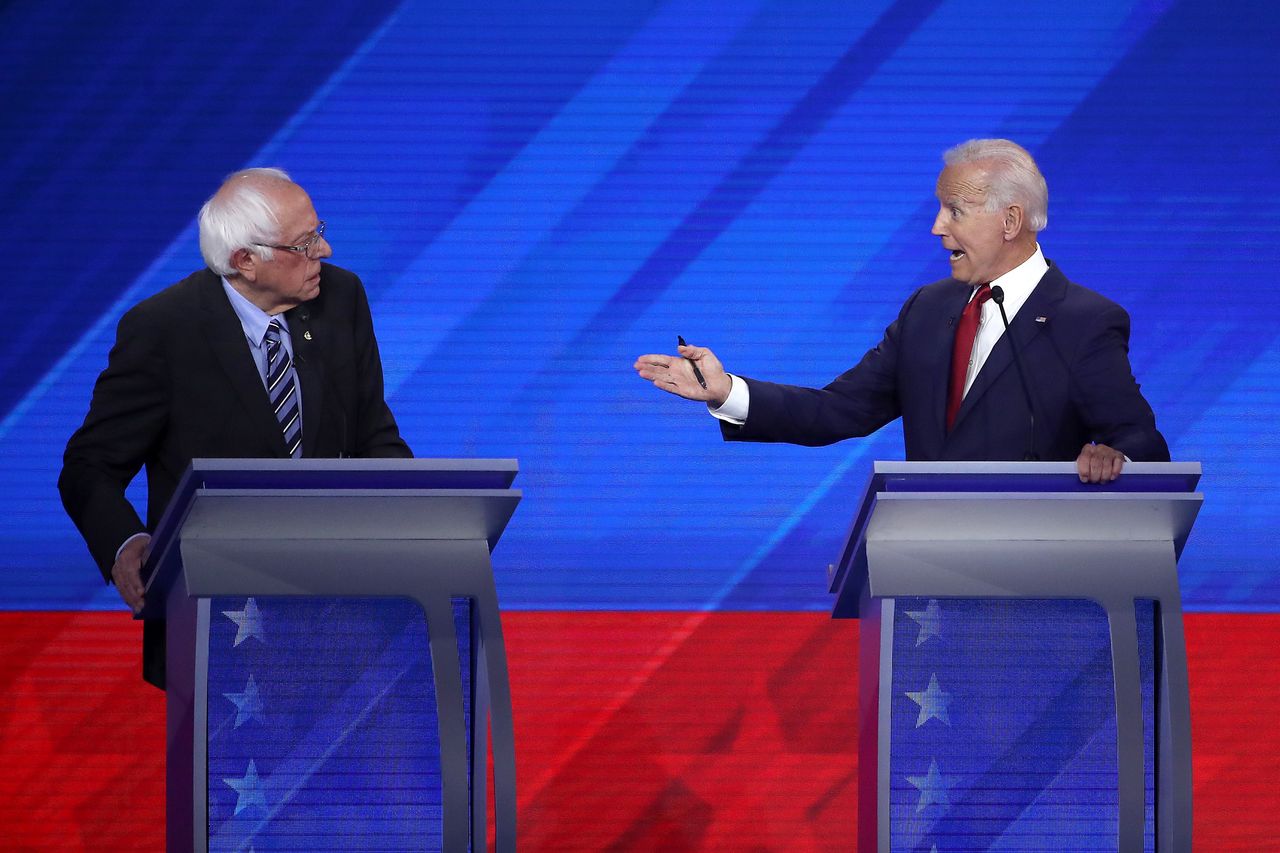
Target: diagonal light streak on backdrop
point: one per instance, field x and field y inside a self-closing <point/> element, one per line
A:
<point x="98" y="333"/>
<point x="724" y="215"/>
<point x="519" y="207"/>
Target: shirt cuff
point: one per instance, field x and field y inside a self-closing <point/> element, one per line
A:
<point x="130" y="539"/>
<point x="734" y="409"/>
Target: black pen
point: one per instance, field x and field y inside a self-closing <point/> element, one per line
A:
<point x="697" y="374"/>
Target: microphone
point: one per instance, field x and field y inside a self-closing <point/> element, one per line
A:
<point x="997" y="296"/>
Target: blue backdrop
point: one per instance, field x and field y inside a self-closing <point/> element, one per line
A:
<point x="534" y="194"/>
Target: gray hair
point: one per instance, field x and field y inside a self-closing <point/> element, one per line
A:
<point x="239" y="216"/>
<point x="1015" y="178"/>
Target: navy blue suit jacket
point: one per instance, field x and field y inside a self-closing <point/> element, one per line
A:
<point x="1075" y="350"/>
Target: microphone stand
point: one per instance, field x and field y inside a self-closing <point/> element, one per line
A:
<point x="997" y="296"/>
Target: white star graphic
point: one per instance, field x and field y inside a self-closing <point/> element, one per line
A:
<point x="933" y="788"/>
<point x="248" y="622"/>
<point x="248" y="789"/>
<point x="933" y="702"/>
<point x="248" y="704"/>
<point x="929" y="619"/>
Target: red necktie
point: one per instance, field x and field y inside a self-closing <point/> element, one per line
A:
<point x="966" y="332"/>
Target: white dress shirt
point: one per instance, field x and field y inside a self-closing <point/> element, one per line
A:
<point x="1017" y="284"/>
<point x="254" y="321"/>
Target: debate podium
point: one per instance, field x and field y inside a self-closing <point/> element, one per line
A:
<point x="335" y="669"/>
<point x="1022" y="664"/>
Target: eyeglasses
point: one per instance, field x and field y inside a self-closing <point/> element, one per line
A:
<point x="309" y="247"/>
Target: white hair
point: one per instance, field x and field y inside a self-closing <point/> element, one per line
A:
<point x="239" y="216"/>
<point x="1015" y="177"/>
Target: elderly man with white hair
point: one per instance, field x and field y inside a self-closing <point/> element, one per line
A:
<point x="268" y="353"/>
<point x="1056" y="385"/>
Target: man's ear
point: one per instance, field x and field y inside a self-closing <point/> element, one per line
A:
<point x="1013" y="219"/>
<point x="245" y="263"/>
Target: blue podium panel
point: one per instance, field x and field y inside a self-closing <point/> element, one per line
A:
<point x="323" y="732"/>
<point x="1003" y="726"/>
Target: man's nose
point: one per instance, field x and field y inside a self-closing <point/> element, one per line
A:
<point x="938" y="226"/>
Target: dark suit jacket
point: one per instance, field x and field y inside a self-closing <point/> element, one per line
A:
<point x="180" y="383"/>
<point x="1075" y="351"/>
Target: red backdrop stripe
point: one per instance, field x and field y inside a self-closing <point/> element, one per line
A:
<point x="634" y="731"/>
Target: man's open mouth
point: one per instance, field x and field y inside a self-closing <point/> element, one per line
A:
<point x="957" y="254"/>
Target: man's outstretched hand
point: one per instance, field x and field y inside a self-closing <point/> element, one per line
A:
<point x="674" y="374"/>
<point x="1098" y="463"/>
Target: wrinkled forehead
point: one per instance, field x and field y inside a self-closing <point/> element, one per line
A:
<point x="966" y="182"/>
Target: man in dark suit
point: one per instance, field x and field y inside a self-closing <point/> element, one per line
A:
<point x="268" y="353"/>
<point x="959" y="395"/>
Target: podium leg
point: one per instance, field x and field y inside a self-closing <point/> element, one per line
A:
<point x="479" y="734"/>
<point x="1127" y="678"/>
<point x="501" y="720"/>
<point x="186" y="718"/>
<point x="1173" y="761"/>
<point x="875" y="697"/>
<point x="453" y="733"/>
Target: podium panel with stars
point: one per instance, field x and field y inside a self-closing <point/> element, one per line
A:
<point x="335" y="675"/>
<point x="1023" y="676"/>
<point x="322" y="728"/>
<point x="1004" y="726"/>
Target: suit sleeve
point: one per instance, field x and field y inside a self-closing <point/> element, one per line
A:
<point x="376" y="432"/>
<point x="1106" y="394"/>
<point x="127" y="413"/>
<point x="857" y="403"/>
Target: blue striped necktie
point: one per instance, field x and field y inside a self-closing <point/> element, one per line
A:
<point x="282" y="390"/>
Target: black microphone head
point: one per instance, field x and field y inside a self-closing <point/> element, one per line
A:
<point x="997" y="294"/>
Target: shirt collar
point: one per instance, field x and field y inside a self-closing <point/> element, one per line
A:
<point x="1018" y="282"/>
<point x="253" y="319"/>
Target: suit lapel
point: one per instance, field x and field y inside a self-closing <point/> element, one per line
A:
<point x="226" y="338"/>
<point x="1041" y="303"/>
<point x="307" y="362"/>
